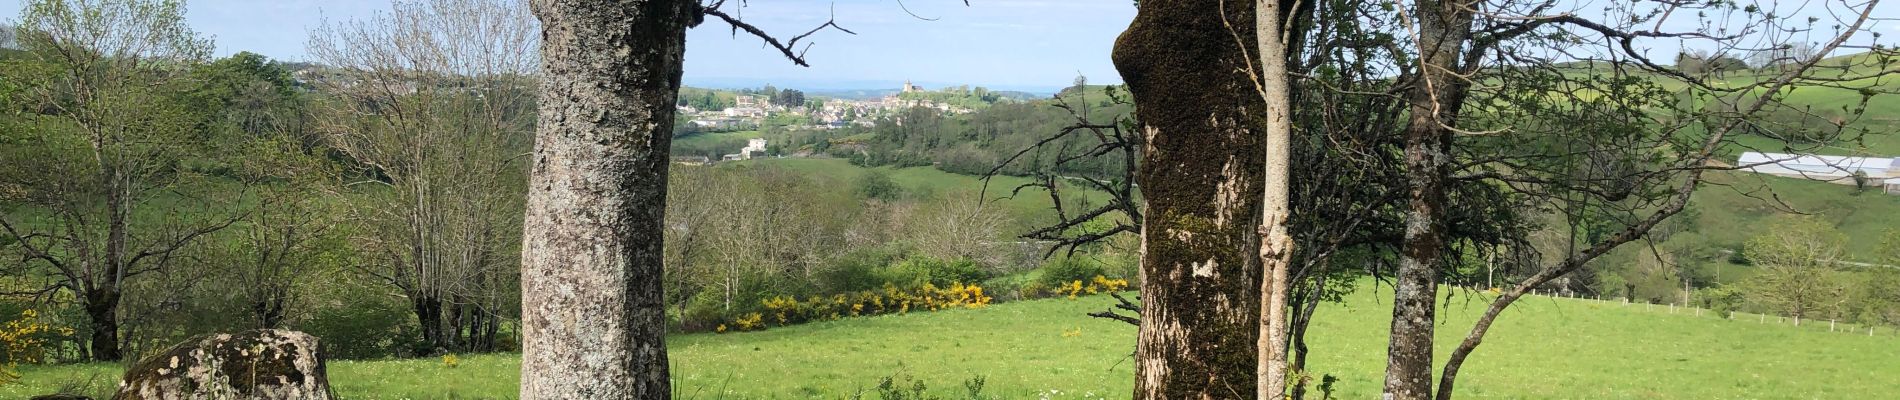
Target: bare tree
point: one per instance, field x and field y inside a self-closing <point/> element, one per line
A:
<point x="954" y="227"/>
<point x="433" y="103"/>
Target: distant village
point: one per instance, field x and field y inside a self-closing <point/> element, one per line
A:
<point x="750" y="111"/>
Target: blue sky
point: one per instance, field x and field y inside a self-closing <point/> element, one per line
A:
<point x="1037" y="45"/>
<point x="1004" y="44"/>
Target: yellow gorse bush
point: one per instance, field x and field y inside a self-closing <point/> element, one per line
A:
<point x="1095" y="285"/>
<point x="787" y="310"/>
<point x="749" y="321"/>
<point x="24" y="340"/>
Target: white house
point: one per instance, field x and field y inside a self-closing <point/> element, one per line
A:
<point x="752" y="146"/>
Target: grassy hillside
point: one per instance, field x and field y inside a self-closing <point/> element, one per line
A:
<point x="1735" y="205"/>
<point x="1029" y="207"/>
<point x="1545" y="348"/>
<point x="711" y="138"/>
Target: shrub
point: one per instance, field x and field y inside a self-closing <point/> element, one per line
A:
<point x="1061" y="271"/>
<point x="877" y="184"/>
<point x="24" y="340"/>
<point x="916" y="271"/>
<point x="1722" y="300"/>
<point x="371" y="327"/>
<point x="854" y="271"/>
<point x="788" y="310"/>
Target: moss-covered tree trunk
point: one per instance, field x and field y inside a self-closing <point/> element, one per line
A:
<point x="592" y="316"/>
<point x="1201" y="173"/>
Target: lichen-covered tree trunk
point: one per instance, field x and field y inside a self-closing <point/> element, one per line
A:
<point x="592" y="314"/>
<point x="1436" y="98"/>
<point x="1201" y="172"/>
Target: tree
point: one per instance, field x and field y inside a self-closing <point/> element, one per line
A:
<point x="1186" y="66"/>
<point x="284" y="246"/>
<point x="592" y="252"/>
<point x="877" y="184"/>
<point x="957" y="226"/>
<point x="790" y="98"/>
<point x="107" y="149"/>
<point x="1605" y="163"/>
<point x="431" y="105"/>
<point x="1276" y="252"/>
<point x="291" y="238"/>
<point x="593" y="316"/>
<point x="1797" y="277"/>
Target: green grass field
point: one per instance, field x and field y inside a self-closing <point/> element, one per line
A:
<point x="1544" y="348"/>
<point x="710" y="138"/>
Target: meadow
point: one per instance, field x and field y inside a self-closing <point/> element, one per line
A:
<point x="1031" y="206"/>
<point x="1547" y="348"/>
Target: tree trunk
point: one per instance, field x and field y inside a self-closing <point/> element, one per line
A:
<point x="488" y="335"/>
<point x="1200" y="271"/>
<point x="1435" y="101"/>
<point x="429" y="318"/>
<point x="1276" y="247"/>
<point x="102" y="306"/>
<point x="1307" y="302"/>
<point x="593" y="321"/>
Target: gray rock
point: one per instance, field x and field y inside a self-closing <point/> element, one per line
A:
<point x="262" y="364"/>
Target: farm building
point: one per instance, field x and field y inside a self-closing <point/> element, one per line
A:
<point x="1877" y="171"/>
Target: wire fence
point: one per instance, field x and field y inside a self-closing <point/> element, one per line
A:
<point x="1824" y="325"/>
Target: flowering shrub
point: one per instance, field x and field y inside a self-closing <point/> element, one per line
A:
<point x="788" y="310"/>
<point x="24" y="340"/>
<point x="749" y="321"/>
<point x="450" y="361"/>
<point x="1095" y="285"/>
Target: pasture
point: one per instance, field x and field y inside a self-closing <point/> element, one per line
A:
<point x="1555" y="348"/>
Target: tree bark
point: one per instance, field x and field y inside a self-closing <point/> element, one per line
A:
<point x="1276" y="246"/>
<point x="1185" y="65"/>
<point x="429" y="318"/>
<point x="593" y="318"/>
<point x="1435" y="96"/>
<point x="102" y="307"/>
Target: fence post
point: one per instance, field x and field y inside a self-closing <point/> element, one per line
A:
<point x="1830" y="325"/>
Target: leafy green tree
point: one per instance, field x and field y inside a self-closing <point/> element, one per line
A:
<point x="1796" y="256"/>
<point x="105" y="151"/>
<point x="877" y="184"/>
